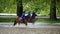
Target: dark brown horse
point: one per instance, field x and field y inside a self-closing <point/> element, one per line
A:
<point x="19" y="20"/>
<point x="31" y="19"/>
<point x="27" y="19"/>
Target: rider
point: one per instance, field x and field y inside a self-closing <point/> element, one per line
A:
<point x="29" y="14"/>
<point x="34" y="14"/>
<point x="33" y="17"/>
<point x="23" y="16"/>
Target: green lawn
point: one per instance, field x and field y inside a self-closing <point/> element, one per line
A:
<point x="7" y="19"/>
<point x="47" y="20"/>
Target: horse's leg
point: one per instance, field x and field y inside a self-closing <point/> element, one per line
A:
<point x="32" y="21"/>
<point x="19" y="23"/>
<point x="15" y="23"/>
<point x="25" y="22"/>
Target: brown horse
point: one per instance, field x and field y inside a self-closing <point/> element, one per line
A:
<point x="27" y="19"/>
<point x="18" y="20"/>
<point x="31" y="19"/>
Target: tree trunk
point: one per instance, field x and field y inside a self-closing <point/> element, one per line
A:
<point x="19" y="8"/>
<point x="53" y="10"/>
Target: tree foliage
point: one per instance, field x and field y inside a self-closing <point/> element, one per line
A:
<point x="40" y="6"/>
<point x="8" y="6"/>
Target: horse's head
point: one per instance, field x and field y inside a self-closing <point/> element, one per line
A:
<point x="34" y="14"/>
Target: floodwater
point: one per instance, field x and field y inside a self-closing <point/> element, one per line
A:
<point x="31" y="25"/>
<point x="36" y="28"/>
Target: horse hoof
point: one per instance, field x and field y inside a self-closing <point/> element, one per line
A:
<point x="26" y="24"/>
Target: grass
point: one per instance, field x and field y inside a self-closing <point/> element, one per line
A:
<point x="47" y="20"/>
<point x="7" y="19"/>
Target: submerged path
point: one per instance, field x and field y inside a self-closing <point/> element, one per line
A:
<point x="31" y="25"/>
<point x="37" y="28"/>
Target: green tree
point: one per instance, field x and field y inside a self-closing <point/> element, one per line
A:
<point x="19" y="8"/>
<point x="53" y="10"/>
<point x="7" y="6"/>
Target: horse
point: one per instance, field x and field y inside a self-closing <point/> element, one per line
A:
<point x="31" y="19"/>
<point x="19" y="20"/>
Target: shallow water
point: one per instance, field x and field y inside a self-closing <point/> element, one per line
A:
<point x="31" y="25"/>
